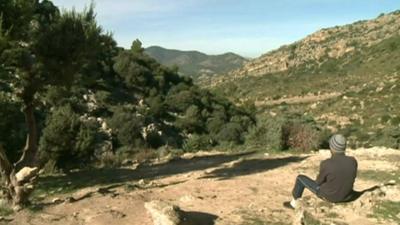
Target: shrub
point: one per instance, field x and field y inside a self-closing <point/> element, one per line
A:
<point x="266" y="134"/>
<point x="67" y="139"/>
<point x="127" y="126"/>
<point x="197" y="142"/>
<point x="389" y="137"/>
<point x="231" y="132"/>
<point x="302" y="137"/>
<point x="295" y="132"/>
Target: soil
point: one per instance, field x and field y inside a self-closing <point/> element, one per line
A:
<point x="216" y="188"/>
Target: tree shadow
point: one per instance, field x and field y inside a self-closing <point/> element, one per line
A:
<point x="251" y="166"/>
<point x="357" y="194"/>
<point x="198" y="218"/>
<point x="87" y="178"/>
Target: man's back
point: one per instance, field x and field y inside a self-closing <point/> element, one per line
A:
<point x="336" y="177"/>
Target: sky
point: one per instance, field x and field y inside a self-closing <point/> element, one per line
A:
<point x="246" y="27"/>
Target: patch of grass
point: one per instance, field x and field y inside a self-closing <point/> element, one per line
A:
<point x="35" y="208"/>
<point x="392" y="158"/>
<point x="379" y="176"/>
<point x="325" y="204"/>
<point x="254" y="190"/>
<point x="251" y="218"/>
<point x="5" y="211"/>
<point x="387" y="210"/>
<point x="310" y="220"/>
<point x="332" y="215"/>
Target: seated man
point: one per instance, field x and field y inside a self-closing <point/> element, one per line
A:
<point x="335" y="179"/>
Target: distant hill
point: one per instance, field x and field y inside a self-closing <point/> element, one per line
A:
<point x="346" y="77"/>
<point x="321" y="48"/>
<point x="196" y="64"/>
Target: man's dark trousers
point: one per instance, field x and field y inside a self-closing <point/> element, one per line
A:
<point x="304" y="182"/>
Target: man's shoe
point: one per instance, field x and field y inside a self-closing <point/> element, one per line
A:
<point x="288" y="205"/>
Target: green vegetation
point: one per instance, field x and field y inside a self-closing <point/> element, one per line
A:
<point x="310" y="220"/>
<point x="367" y="79"/>
<point x="81" y="101"/>
<point x="287" y="132"/>
<point x="41" y="49"/>
<point x="379" y="176"/>
<point x="251" y="218"/>
<point x="387" y="210"/>
<point x="5" y="211"/>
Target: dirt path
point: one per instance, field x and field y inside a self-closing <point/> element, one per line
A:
<point x="298" y="99"/>
<point x="230" y="189"/>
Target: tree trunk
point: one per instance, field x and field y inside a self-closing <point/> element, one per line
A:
<point x="29" y="155"/>
<point x="18" y="185"/>
<point x="20" y="177"/>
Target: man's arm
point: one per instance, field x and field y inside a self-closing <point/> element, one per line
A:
<point x="321" y="178"/>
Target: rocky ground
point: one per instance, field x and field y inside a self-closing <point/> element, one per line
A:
<point x="216" y="188"/>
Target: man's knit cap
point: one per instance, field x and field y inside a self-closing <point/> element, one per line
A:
<point x="337" y="143"/>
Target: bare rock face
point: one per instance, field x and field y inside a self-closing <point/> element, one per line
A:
<point x="26" y="174"/>
<point x="164" y="213"/>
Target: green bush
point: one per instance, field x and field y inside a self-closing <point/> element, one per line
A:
<point x="127" y="126"/>
<point x="389" y="137"/>
<point x="267" y="134"/>
<point x="287" y="132"/>
<point x="231" y="132"/>
<point x="68" y="140"/>
<point x="197" y="142"/>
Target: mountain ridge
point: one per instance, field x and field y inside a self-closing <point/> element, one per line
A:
<point x="195" y="63"/>
<point x="319" y="47"/>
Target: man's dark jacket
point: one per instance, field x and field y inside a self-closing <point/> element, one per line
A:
<point x="336" y="177"/>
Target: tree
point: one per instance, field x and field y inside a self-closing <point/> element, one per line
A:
<point x="41" y="48"/>
<point x="137" y="46"/>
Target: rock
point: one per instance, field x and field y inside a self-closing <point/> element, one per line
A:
<point x="142" y="182"/>
<point x="127" y="162"/>
<point x="57" y="201"/>
<point x="298" y="218"/>
<point x="26" y="174"/>
<point x="314" y="106"/>
<point x="187" y="198"/>
<point x="391" y="182"/>
<point x="17" y="208"/>
<point x="164" y="213"/>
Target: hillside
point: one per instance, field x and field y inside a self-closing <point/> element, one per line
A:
<point x="344" y="77"/>
<point x="194" y="63"/>
<point x="325" y="45"/>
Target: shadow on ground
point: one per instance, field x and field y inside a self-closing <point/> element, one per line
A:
<point x="357" y="194"/>
<point x="198" y="218"/>
<point x="88" y="178"/>
<point x="251" y="166"/>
